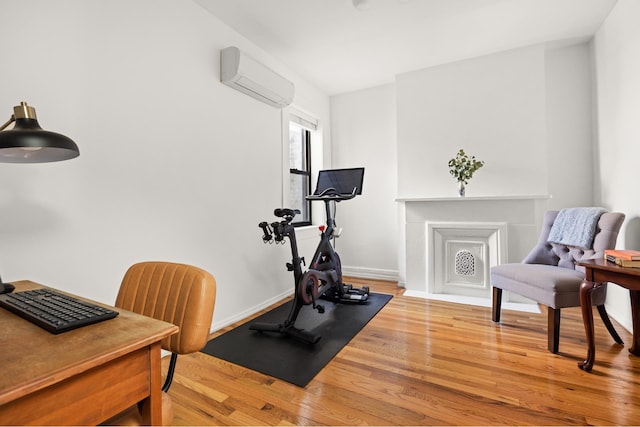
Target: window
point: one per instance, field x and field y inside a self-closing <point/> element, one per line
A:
<point x="300" y="172"/>
<point x="302" y="154"/>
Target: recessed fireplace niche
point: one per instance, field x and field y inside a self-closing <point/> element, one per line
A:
<point x="459" y="255"/>
<point x="450" y="244"/>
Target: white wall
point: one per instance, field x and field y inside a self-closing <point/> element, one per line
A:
<point x="526" y="112"/>
<point x="569" y="115"/>
<point x="173" y="165"/>
<point x="617" y="63"/>
<point x="364" y="134"/>
<point x="493" y="107"/>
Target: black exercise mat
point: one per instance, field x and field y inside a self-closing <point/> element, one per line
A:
<point x="289" y="359"/>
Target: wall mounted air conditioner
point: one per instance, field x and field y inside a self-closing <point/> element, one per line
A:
<point x="247" y="75"/>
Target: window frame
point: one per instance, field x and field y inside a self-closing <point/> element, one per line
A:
<point x="306" y="147"/>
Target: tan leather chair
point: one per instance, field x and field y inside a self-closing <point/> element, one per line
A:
<point x="176" y="293"/>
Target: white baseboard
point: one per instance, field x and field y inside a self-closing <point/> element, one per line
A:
<point x="219" y="324"/>
<point x="480" y="302"/>
<point x="621" y="321"/>
<point x="370" y="273"/>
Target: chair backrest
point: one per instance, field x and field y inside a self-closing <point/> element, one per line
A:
<point x="566" y="256"/>
<point x="176" y="293"/>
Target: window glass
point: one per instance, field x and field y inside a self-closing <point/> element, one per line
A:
<point x="299" y="172"/>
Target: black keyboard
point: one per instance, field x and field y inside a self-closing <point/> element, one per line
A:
<point x="54" y="311"/>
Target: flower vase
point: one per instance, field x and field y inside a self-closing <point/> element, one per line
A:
<point x="461" y="188"/>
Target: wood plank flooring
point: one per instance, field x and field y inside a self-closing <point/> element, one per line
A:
<point x="426" y="362"/>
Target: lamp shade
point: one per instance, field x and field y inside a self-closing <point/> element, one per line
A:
<point x="27" y="142"/>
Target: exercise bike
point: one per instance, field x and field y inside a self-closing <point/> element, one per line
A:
<point x="323" y="279"/>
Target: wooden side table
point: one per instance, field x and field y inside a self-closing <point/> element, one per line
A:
<point x="598" y="272"/>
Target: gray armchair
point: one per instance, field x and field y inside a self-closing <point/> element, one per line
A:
<point x="549" y="274"/>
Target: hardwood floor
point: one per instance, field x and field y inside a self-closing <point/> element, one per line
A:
<point x="426" y="362"/>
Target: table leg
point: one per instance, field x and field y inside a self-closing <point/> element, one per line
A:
<point x="151" y="407"/>
<point x="587" y="318"/>
<point x="635" y="318"/>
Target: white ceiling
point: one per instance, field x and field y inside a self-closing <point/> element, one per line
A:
<point x="341" y="49"/>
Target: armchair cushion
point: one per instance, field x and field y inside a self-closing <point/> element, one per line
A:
<point x="546" y="284"/>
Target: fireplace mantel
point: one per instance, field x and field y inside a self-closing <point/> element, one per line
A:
<point x="472" y="198"/>
<point x="517" y="219"/>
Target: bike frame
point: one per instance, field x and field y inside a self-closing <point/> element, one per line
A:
<point x="324" y="276"/>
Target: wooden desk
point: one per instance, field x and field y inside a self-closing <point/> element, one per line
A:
<point x="596" y="273"/>
<point x="80" y="377"/>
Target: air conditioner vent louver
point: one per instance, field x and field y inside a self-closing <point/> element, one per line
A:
<point x="245" y="74"/>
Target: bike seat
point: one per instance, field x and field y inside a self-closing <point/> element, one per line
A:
<point x="285" y="212"/>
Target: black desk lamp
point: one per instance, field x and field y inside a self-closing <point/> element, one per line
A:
<point x="27" y="142"/>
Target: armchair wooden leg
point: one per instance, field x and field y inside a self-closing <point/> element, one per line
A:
<point x="607" y="322"/>
<point x="553" y="329"/>
<point x="496" y="304"/>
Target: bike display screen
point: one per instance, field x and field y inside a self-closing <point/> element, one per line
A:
<point x="343" y="180"/>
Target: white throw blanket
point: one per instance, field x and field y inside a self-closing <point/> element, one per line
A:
<point x="575" y="227"/>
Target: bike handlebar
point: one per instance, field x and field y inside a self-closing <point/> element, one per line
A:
<point x="266" y="236"/>
<point x="332" y="194"/>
